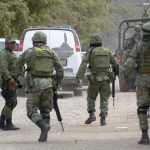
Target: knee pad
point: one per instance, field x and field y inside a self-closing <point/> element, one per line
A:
<point x="11" y="104"/>
<point x="14" y="104"/>
<point x="45" y="115"/>
<point x="6" y="95"/>
<point x="142" y="110"/>
<point x="29" y="114"/>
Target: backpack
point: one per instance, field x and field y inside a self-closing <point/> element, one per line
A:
<point x="42" y="62"/>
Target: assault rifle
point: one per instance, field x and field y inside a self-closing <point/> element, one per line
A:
<point x="56" y="108"/>
<point x="113" y="83"/>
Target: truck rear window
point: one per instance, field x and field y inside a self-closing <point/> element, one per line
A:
<point x="59" y="40"/>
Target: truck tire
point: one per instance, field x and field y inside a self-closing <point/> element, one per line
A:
<point x="77" y="91"/>
<point x="123" y="87"/>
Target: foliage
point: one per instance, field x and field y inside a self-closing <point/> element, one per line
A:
<point x="14" y="17"/>
<point x="86" y="16"/>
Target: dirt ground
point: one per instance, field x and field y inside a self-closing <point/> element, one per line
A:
<point x="121" y="132"/>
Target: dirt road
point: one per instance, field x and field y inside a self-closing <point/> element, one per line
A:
<point x="121" y="133"/>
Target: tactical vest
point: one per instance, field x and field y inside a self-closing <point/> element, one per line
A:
<point x="100" y="59"/>
<point x="42" y="62"/>
<point x="144" y="59"/>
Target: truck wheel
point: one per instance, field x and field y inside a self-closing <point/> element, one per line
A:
<point x="77" y="91"/>
<point x="123" y="87"/>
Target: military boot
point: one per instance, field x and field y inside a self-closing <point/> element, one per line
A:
<point x="102" y="121"/>
<point x="44" y="126"/>
<point x="144" y="139"/>
<point x="9" y="125"/>
<point x="2" y="122"/>
<point x="91" y="118"/>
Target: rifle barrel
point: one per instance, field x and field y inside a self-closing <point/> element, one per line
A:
<point x="62" y="126"/>
<point x="56" y="108"/>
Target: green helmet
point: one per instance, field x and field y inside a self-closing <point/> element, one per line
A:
<point x="39" y="37"/>
<point x="95" y="39"/>
<point x="137" y="28"/>
<point x="146" y="28"/>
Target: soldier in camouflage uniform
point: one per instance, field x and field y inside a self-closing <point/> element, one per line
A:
<point x="98" y="59"/>
<point x="8" y="85"/>
<point x="136" y="37"/>
<point x="40" y="60"/>
<point x="140" y="57"/>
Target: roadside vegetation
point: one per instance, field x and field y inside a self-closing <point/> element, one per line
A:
<point x="84" y="16"/>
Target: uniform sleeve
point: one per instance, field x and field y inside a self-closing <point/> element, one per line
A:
<point x="114" y="64"/>
<point x="4" y="64"/>
<point x="131" y="61"/>
<point x="59" y="69"/>
<point x="83" y="66"/>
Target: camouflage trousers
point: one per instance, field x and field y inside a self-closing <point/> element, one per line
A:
<point x="103" y="88"/>
<point x="143" y="101"/>
<point x="9" y="94"/>
<point x="39" y="101"/>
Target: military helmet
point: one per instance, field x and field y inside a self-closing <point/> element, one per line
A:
<point x="146" y="28"/>
<point x="39" y="37"/>
<point x="137" y="28"/>
<point x="95" y="39"/>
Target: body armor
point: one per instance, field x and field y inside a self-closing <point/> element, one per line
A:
<point x="100" y="59"/>
<point x="42" y="62"/>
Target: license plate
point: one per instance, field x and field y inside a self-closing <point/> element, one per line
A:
<point x="64" y="62"/>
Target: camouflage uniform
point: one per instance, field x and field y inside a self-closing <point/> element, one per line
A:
<point x="130" y="45"/>
<point x="99" y="59"/>
<point x="8" y="72"/>
<point x="140" y="57"/>
<point x="39" y="83"/>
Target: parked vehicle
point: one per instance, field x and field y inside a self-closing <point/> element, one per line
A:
<point x="65" y="42"/>
<point x="125" y="32"/>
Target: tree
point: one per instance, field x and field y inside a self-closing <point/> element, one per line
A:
<point x="41" y="11"/>
<point x="17" y="15"/>
<point x="86" y="16"/>
<point x="14" y="17"/>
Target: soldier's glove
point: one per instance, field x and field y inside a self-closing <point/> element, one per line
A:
<point x="19" y="86"/>
<point x="12" y="83"/>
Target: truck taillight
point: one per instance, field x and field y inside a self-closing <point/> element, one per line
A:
<point x="20" y="48"/>
<point x="77" y="46"/>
